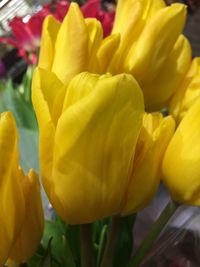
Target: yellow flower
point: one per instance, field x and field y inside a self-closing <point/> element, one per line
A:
<point x="152" y="48"/>
<point x="181" y="168"/>
<point x="87" y="145"/>
<point x="71" y="47"/>
<point x="146" y="42"/>
<point x="187" y="93"/>
<point x="17" y="207"/>
<point x="154" y="137"/>
<point x="100" y="155"/>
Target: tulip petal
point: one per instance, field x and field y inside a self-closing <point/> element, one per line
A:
<point x="45" y="89"/>
<point x="95" y="33"/>
<point x="187" y="93"/>
<point x="181" y="169"/>
<point x="49" y="33"/>
<point x="94" y="146"/>
<point x="126" y="8"/>
<point x="156" y="42"/>
<point x="169" y="77"/>
<point x="32" y="229"/>
<point x="71" y="54"/>
<point x="107" y="51"/>
<point x="152" y="143"/>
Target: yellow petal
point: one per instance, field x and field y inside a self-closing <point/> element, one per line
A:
<point x="181" y="168"/>
<point x="156" y="42"/>
<point x="158" y="90"/>
<point x="187" y="93"/>
<point x="152" y="143"/>
<point x="95" y="33"/>
<point x="126" y="8"/>
<point x="32" y="229"/>
<point x="12" y="200"/>
<point x="107" y="51"/>
<point x="71" y="48"/>
<point x="49" y="33"/>
<point x="94" y="146"/>
<point x="45" y="88"/>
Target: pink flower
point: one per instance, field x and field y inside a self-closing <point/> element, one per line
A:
<point x="26" y="34"/>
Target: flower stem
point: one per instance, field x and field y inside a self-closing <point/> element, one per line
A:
<point x="154" y="232"/>
<point x="86" y="245"/>
<point x="107" y="260"/>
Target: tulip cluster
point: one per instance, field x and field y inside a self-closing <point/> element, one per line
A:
<point x="101" y="153"/>
<point x="149" y="48"/>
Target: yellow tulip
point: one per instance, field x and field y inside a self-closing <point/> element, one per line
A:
<point x="154" y="137"/>
<point x="151" y="47"/>
<point x="181" y="168"/>
<point x="15" y="202"/>
<point x="87" y="146"/>
<point x="187" y="93"/>
<point x="71" y="47"/>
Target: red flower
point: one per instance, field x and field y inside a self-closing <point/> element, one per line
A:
<point x="26" y="34"/>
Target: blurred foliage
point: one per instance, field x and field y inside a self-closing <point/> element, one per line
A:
<point x="17" y="99"/>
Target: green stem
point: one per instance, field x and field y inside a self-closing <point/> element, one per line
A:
<point x="86" y="245"/>
<point x="154" y="232"/>
<point x="108" y="254"/>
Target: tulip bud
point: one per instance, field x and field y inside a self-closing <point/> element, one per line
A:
<point x="86" y="155"/>
<point x="181" y="168"/>
<point x="154" y="137"/>
<point x="187" y="92"/>
<point x="21" y="215"/>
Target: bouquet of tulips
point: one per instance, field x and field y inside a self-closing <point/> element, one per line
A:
<point x="117" y="116"/>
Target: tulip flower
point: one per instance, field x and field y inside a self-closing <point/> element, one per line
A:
<point x="152" y="48"/>
<point x="154" y="137"/>
<point x="187" y="93"/>
<point x="21" y="215"/>
<point x="61" y="39"/>
<point x="181" y="169"/>
<point x="88" y="135"/>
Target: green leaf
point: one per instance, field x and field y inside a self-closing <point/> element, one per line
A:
<point x="101" y="244"/>
<point x="17" y="99"/>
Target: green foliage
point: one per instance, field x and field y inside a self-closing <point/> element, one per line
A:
<point x="17" y="99"/>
